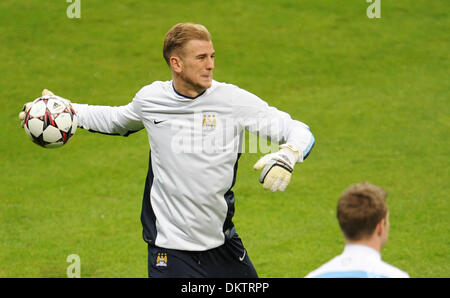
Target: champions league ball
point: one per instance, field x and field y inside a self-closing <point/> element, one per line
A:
<point x="51" y="121"/>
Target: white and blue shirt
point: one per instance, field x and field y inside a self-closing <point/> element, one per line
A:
<point x="195" y="145"/>
<point x="357" y="261"/>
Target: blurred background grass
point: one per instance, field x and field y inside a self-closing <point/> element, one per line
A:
<point x="374" y="92"/>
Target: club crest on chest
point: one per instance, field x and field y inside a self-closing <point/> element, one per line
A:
<point x="209" y="121"/>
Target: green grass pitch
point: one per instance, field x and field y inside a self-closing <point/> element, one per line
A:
<point x="375" y="93"/>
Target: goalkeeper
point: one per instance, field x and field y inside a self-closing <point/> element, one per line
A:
<point x="195" y="128"/>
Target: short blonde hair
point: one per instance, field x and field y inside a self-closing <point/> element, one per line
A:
<point x="180" y="34"/>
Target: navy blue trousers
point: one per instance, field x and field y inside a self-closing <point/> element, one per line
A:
<point x="229" y="260"/>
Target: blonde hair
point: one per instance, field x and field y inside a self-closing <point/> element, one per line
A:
<point x="180" y="34"/>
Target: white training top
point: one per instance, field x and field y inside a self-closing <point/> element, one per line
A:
<point x="195" y="144"/>
<point x="357" y="261"/>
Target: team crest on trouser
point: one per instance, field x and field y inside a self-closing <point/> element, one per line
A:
<point x="161" y="260"/>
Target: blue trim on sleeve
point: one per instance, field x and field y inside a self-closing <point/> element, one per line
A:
<point x="309" y="148"/>
<point x="113" y="134"/>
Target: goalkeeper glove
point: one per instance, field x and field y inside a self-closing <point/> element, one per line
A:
<point x="25" y="109"/>
<point x="27" y="106"/>
<point x="277" y="168"/>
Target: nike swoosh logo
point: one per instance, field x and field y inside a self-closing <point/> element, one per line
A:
<point x="158" y="122"/>
<point x="242" y="258"/>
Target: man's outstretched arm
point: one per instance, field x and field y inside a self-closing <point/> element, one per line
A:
<point x="294" y="136"/>
<point x="121" y="120"/>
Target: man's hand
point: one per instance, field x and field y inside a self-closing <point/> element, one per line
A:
<point x="27" y="106"/>
<point x="277" y="168"/>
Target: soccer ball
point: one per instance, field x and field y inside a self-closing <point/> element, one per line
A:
<point x="51" y="121"/>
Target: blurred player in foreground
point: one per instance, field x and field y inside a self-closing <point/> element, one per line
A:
<point x="195" y="128"/>
<point x="364" y="220"/>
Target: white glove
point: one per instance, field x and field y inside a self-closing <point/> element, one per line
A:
<point x="27" y="106"/>
<point x="277" y="168"/>
<point x="25" y="109"/>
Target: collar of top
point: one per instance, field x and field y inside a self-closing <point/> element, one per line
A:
<point x="184" y="97"/>
<point x="362" y="250"/>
